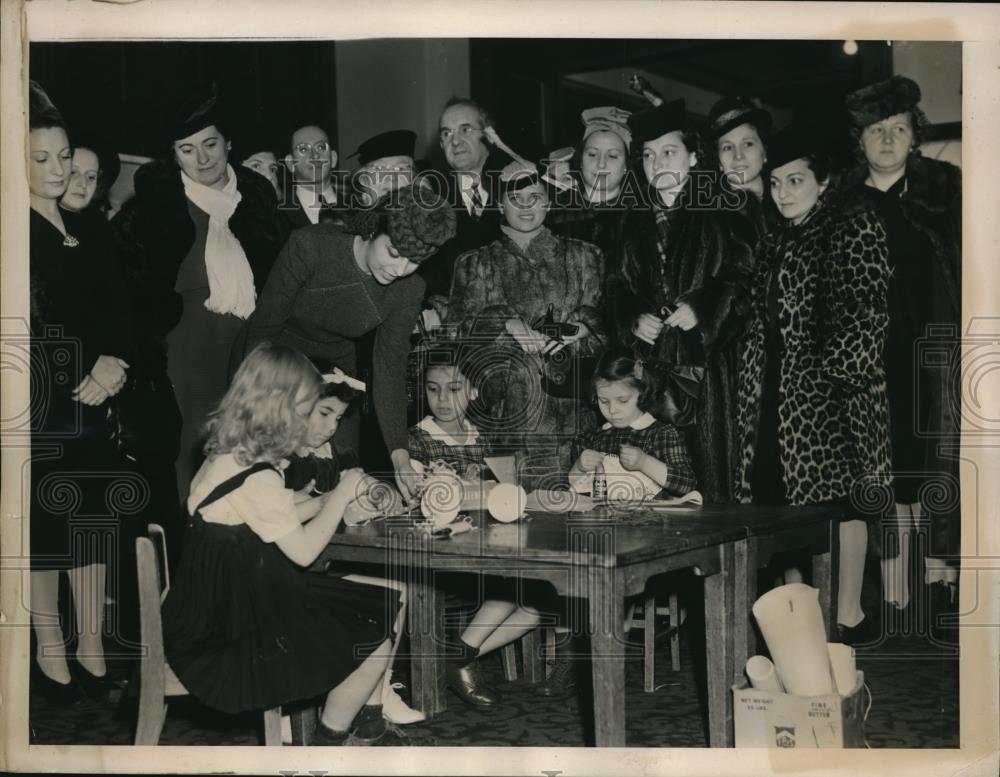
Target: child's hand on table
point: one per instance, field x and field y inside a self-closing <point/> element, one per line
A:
<point x="631" y="457"/>
<point x="589" y="459"/>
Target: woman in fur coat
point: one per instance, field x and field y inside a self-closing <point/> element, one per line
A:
<point x="197" y="242"/>
<point x="680" y="291"/>
<point x="919" y="202"/>
<point x="813" y="409"/>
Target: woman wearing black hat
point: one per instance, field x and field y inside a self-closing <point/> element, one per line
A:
<point x="919" y="202"/>
<point x="813" y="412"/>
<point x="386" y="164"/>
<point x="333" y="284"/>
<point x="679" y="285"/>
<point x="199" y="238"/>
<point x="738" y="129"/>
<point x="80" y="353"/>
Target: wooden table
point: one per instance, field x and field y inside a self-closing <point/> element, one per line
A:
<point x="602" y="557"/>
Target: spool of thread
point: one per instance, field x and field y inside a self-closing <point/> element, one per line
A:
<point x="600" y="488"/>
<point x="762" y="676"/>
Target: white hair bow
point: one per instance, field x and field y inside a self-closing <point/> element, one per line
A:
<point x="339" y="376"/>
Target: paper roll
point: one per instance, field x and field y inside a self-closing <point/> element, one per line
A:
<point x="507" y="502"/>
<point x="762" y="676"/>
<point x="845" y="671"/>
<point x="791" y="621"/>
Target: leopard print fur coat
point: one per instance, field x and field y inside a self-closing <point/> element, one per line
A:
<point x="833" y="413"/>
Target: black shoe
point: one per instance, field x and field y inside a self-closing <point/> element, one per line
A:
<point x="93" y="687"/>
<point x="369" y="725"/>
<point x="858" y="635"/>
<point x="467" y="683"/>
<point x="562" y="680"/>
<point x="52" y="690"/>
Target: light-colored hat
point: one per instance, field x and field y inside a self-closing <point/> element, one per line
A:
<point x="607" y="118"/>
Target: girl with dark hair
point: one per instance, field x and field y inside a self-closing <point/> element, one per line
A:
<point x="79" y="345"/>
<point x="333" y="284"/>
<point x="652" y="452"/>
<point x="679" y="287"/>
<point x="813" y="413"/>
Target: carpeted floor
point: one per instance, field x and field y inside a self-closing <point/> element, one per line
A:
<point x="913" y="682"/>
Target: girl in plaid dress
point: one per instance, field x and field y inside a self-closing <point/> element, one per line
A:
<point x="648" y="454"/>
<point x="447" y="435"/>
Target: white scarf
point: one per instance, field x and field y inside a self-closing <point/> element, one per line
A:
<point x="230" y="280"/>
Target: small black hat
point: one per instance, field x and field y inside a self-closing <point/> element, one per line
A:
<point x="879" y="101"/>
<point x="802" y="138"/>
<point x="658" y="121"/>
<point x="730" y="112"/>
<point x="398" y="142"/>
<point x="202" y="110"/>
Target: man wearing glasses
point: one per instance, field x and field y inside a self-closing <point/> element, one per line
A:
<point x="313" y="197"/>
<point x="466" y="184"/>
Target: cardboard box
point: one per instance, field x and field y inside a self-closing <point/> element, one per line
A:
<point x="766" y="719"/>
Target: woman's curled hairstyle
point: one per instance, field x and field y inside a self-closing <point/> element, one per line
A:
<point x="417" y="221"/>
<point x="621" y="365"/>
<point x="259" y="417"/>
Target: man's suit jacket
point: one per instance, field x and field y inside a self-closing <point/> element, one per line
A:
<point x="470" y="232"/>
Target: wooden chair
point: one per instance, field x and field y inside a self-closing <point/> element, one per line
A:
<point x="156" y="679"/>
<point x="647" y="610"/>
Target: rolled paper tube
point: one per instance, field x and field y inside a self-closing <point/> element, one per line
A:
<point x="792" y="624"/>
<point x="845" y="670"/>
<point x="762" y="676"/>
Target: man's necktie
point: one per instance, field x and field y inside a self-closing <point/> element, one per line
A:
<point x="477" y="202"/>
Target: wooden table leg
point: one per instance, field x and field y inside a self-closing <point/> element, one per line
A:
<point x="531" y="644"/>
<point x="719" y="609"/>
<point x="304" y="725"/>
<point x="606" y="605"/>
<point x="427" y="645"/>
<point x="825" y="571"/>
<point x="744" y="595"/>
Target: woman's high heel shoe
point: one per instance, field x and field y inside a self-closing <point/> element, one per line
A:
<point x="94" y="687"/>
<point x="52" y="690"/>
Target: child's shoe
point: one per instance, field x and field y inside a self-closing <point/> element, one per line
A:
<point x="394" y="709"/>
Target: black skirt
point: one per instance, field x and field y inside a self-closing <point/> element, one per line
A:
<point x="245" y="629"/>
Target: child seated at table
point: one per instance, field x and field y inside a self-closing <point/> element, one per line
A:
<point x="643" y="456"/>
<point x="315" y="469"/>
<point x="447" y="435"/>
<point x="244" y="627"/>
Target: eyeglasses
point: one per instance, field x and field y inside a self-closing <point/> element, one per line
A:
<point x="305" y="149"/>
<point x="465" y="132"/>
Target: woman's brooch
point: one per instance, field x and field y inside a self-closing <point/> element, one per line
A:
<point x="70" y="242"/>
